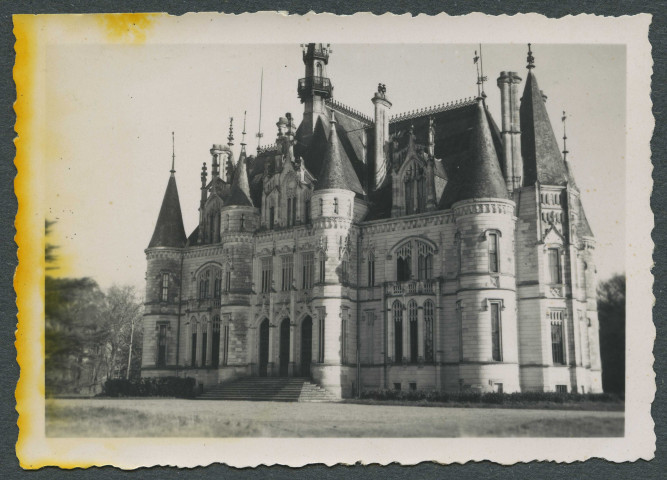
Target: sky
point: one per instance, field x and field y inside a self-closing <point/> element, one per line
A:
<point x="111" y="109"/>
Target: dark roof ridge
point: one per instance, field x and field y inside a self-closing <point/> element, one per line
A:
<point x="442" y="107"/>
<point x="340" y="107"/>
<point x="240" y="191"/>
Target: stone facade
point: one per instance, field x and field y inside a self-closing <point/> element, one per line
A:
<point x="408" y="253"/>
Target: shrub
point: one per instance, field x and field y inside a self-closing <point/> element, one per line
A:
<point x="150" y="387"/>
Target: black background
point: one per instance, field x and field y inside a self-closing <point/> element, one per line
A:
<point x="592" y="469"/>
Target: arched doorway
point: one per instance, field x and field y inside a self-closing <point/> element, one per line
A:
<point x="263" y="347"/>
<point x="284" y="347"/>
<point x="306" y="345"/>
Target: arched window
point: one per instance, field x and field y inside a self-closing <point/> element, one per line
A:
<point x="428" y="330"/>
<point x="215" y="344"/>
<point x="204" y="341"/>
<point x="404" y="262"/>
<point x="397" y="314"/>
<point x="217" y="288"/>
<point x="424" y="261"/>
<point x="319" y="69"/>
<point x="409" y="192"/>
<point x="207" y="277"/>
<point x="193" y="342"/>
<point x="414" y="331"/>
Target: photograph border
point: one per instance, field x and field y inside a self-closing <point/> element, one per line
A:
<point x="659" y="354"/>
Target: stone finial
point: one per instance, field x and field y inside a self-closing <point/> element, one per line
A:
<point x="530" y="59"/>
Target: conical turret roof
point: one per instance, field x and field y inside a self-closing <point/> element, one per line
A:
<point x="542" y="158"/>
<point x="240" y="191"/>
<point x="481" y="175"/>
<point x="337" y="171"/>
<point x="169" y="230"/>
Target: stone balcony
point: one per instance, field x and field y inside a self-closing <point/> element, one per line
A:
<point x="411" y="287"/>
<point x="202" y="304"/>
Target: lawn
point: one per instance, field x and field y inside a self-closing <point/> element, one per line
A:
<point x="210" y="418"/>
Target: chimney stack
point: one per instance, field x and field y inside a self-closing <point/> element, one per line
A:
<point x="508" y="82"/>
<point x="382" y="104"/>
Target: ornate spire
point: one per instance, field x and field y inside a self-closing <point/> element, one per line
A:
<point x="230" y="137"/>
<point x="530" y="59"/>
<point x="169" y="230"/>
<point x="173" y="153"/>
<point x="240" y="192"/>
<point x="243" y="136"/>
<point x="478" y="61"/>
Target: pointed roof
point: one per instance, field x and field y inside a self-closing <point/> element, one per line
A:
<point x="169" y="230"/>
<point x="240" y="191"/>
<point x="542" y="157"/>
<point x="337" y="171"/>
<point x="480" y="176"/>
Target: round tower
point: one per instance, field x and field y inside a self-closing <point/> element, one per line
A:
<point x="332" y="213"/>
<point x="486" y="293"/>
<point x="239" y="220"/>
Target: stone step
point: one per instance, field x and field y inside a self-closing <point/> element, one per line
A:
<point x="275" y="389"/>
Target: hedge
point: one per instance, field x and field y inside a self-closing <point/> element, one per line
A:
<point x="150" y="387"/>
<point x="491" y="397"/>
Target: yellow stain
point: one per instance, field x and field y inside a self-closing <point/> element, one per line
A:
<point x="127" y="27"/>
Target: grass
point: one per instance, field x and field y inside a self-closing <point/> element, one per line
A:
<point x="199" y="418"/>
<point x="589" y="406"/>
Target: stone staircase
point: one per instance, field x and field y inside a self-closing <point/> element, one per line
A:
<point x="269" y="389"/>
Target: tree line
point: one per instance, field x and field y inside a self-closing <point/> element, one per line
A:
<point x="91" y="335"/>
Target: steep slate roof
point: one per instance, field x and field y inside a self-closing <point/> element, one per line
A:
<point x="169" y="230"/>
<point x="542" y="158"/>
<point x="240" y="191"/>
<point x="336" y="170"/>
<point x="479" y="176"/>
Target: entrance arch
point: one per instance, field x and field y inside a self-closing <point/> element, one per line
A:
<point x="263" y="347"/>
<point x="306" y="345"/>
<point x="284" y="347"/>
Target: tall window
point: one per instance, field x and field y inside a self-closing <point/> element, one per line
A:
<point x="165" y="287"/>
<point x="459" y="320"/>
<point x="459" y="250"/>
<point x="308" y="267"/>
<point x="409" y="196"/>
<point x="343" y="330"/>
<point x="397" y="313"/>
<point x="323" y="267"/>
<point x="193" y="342"/>
<point x="162" y="345"/>
<point x="306" y="211"/>
<point x="319" y="69"/>
<point x="217" y="286"/>
<point x="414" y="331"/>
<point x="493" y="252"/>
<point x="557" y="350"/>
<point x="242" y="222"/>
<point x="321" y="207"/>
<point x="225" y="354"/>
<point x="272" y="216"/>
<point x="336" y="206"/>
<point x="344" y="270"/>
<point x="428" y="330"/>
<point x="321" y="313"/>
<point x="289" y="212"/>
<point x="204" y="343"/>
<point x="404" y="262"/>
<point x="288" y="272"/>
<point x="294" y="211"/>
<point x="425" y="263"/>
<point x="371" y="270"/>
<point x="555" y="274"/>
<point x="215" y="344"/>
<point x="267" y="274"/>
<point x="496" y="349"/>
<point x="228" y="279"/>
<point x="421" y="194"/>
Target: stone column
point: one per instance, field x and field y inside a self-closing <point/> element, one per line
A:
<point x="209" y="342"/>
<point x="269" y="367"/>
<point x="406" y="335"/>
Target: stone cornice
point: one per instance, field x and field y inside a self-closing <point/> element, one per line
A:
<point x="484" y="205"/>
